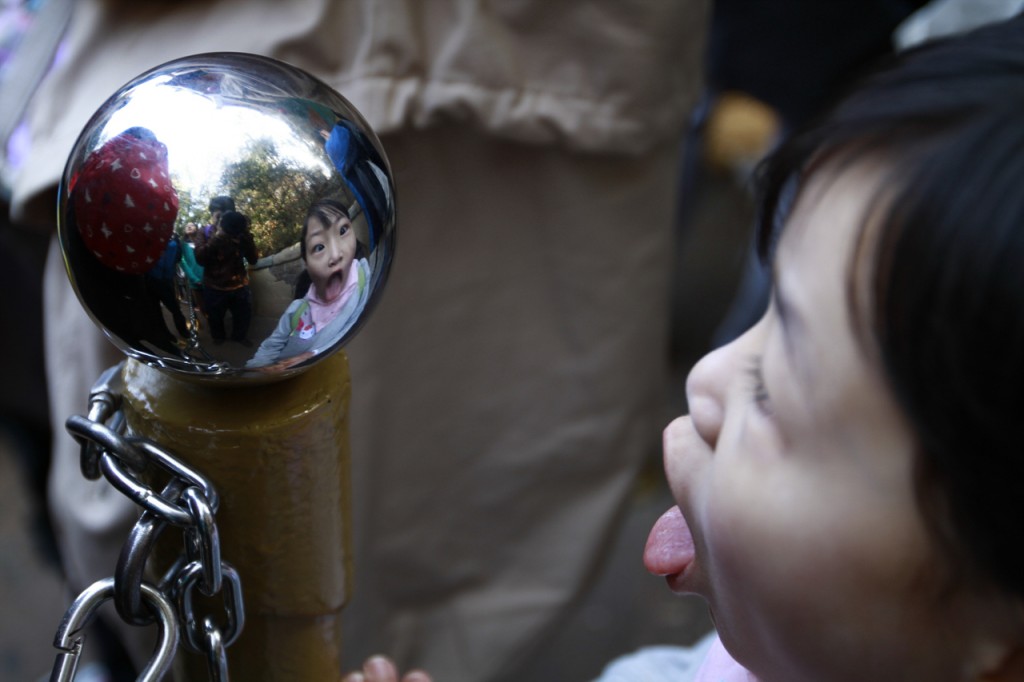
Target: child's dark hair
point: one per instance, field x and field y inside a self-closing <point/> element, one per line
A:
<point x="946" y="308"/>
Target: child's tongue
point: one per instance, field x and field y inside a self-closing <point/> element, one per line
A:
<point x="334" y="286"/>
<point x="669" y="547"/>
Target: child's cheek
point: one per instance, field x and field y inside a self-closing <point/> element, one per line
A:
<point x="753" y="515"/>
<point x="744" y="568"/>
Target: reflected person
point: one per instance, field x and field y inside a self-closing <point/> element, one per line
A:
<point x="330" y="294"/>
<point x="193" y="270"/>
<point x="226" y="277"/>
<point x="361" y="166"/>
<point x="123" y="208"/>
<point x="219" y="205"/>
<point x="161" y="279"/>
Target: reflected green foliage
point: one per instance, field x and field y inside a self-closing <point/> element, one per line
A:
<point x="271" y="192"/>
<point x="274" y="193"/>
<point x="190" y="209"/>
<point x="271" y="189"/>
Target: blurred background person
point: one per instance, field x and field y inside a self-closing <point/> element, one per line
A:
<point x="226" y="256"/>
<point x="192" y="270"/>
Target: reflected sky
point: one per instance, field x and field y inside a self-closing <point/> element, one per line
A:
<point x="204" y="134"/>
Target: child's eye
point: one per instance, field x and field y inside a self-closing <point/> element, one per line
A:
<point x="343" y="229"/>
<point x="758" y="390"/>
<point x="318" y="248"/>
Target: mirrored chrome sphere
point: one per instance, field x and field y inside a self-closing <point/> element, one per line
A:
<point x="227" y="215"/>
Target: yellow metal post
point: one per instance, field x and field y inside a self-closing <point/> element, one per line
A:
<point x="278" y="454"/>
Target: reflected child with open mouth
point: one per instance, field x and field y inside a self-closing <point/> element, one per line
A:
<point x="330" y="294"/>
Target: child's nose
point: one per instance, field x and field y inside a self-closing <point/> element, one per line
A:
<point x="705" y="395"/>
<point x="714" y="377"/>
<point x="335" y="251"/>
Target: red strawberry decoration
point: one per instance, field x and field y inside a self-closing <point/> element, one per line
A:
<point x="125" y="205"/>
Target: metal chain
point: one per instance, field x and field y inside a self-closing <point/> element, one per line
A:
<point x="187" y="501"/>
<point x="184" y="293"/>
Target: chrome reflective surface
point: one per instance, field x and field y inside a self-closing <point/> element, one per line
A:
<point x="179" y="280"/>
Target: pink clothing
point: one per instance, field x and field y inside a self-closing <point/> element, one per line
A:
<point x="719" y="666"/>
<point x="325" y="311"/>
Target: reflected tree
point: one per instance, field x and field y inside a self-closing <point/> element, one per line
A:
<point x="274" y="192"/>
<point x="190" y="208"/>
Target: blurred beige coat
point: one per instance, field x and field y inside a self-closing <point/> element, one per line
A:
<point x="511" y="381"/>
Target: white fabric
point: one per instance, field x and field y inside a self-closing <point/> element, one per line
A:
<point x="511" y="380"/>
<point x="659" y="663"/>
<point x="600" y="76"/>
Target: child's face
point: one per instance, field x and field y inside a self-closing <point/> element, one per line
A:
<point x="795" y="473"/>
<point x="330" y="249"/>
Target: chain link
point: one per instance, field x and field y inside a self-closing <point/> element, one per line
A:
<point x="187" y="501"/>
<point x="216" y="651"/>
<point x="104" y="404"/>
<point x="195" y="636"/>
<point x="131" y="564"/>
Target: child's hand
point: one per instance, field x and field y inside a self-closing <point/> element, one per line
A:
<point x="287" y="363"/>
<point x="381" y="669"/>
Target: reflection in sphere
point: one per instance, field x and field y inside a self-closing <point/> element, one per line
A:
<point x="227" y="215"/>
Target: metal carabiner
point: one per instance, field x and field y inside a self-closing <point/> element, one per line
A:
<point x="70" y="637"/>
